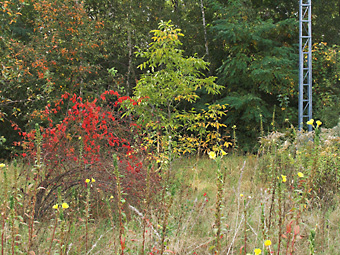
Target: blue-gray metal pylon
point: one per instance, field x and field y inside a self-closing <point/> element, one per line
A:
<point x="305" y="63"/>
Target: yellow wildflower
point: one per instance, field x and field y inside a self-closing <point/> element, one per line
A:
<point x="79" y="138"/>
<point x="65" y="205"/>
<point x="284" y="178"/>
<point x="267" y="243"/>
<point x="93" y="180"/>
<point x="300" y="174"/>
<point x="87" y="180"/>
<point x="2" y="165"/>
<point x="310" y="122"/>
<point x="223" y="153"/>
<point x="241" y="195"/>
<point x="257" y="251"/>
<point x="212" y="155"/>
<point x="55" y="206"/>
<point x="318" y="123"/>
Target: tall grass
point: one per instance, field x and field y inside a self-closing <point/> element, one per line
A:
<point x="282" y="201"/>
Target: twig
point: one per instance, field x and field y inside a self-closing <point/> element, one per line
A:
<point x="69" y="248"/>
<point x="236" y="231"/>
<point x="95" y="244"/>
<point x="142" y="216"/>
<point x="203" y="244"/>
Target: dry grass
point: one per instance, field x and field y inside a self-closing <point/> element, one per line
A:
<point x="256" y="205"/>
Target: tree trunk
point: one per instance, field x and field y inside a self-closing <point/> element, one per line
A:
<point x="205" y="31"/>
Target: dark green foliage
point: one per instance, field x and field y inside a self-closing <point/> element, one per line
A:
<point x="326" y="21"/>
<point x="260" y="64"/>
<point x="251" y="45"/>
<point x="326" y="80"/>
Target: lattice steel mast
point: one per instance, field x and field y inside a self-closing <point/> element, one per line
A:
<point x="305" y="72"/>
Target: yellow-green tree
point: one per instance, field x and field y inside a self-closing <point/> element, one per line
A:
<point x="170" y="80"/>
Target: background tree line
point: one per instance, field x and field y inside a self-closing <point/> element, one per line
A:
<point x="50" y="47"/>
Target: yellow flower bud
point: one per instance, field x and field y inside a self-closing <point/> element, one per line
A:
<point x="267" y="243"/>
<point x="310" y="122"/>
<point x="300" y="174"/>
<point x="65" y="205"/>
<point x="257" y="251"/>
<point x="212" y="155"/>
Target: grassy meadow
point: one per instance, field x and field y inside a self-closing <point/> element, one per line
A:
<point x="282" y="200"/>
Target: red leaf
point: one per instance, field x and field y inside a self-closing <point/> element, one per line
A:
<point x="289" y="227"/>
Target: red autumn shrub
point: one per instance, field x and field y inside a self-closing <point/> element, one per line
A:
<point x="81" y="146"/>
